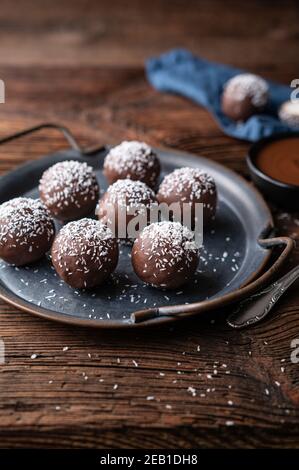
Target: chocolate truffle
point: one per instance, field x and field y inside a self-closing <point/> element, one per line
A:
<point x="244" y="95"/>
<point x="123" y="201"/>
<point x="165" y="255"/>
<point x="133" y="160"/>
<point x="84" y="253"/>
<point x="69" y="190"/>
<point x="26" y="231"/>
<point x="289" y="113"/>
<point x="190" y="186"/>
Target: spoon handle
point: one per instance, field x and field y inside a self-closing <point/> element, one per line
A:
<point x="257" y="306"/>
<point x="88" y="152"/>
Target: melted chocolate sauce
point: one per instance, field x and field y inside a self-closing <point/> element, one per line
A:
<point x="280" y="160"/>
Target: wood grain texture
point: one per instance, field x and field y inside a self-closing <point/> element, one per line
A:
<point x="81" y="65"/>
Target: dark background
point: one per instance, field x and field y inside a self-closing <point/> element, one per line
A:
<point x="81" y="64"/>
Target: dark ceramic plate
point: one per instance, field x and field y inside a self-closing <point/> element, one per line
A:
<point x="230" y="259"/>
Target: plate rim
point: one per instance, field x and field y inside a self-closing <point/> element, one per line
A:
<point x="48" y="314"/>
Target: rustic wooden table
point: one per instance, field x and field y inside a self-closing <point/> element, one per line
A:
<point x="81" y="64"/>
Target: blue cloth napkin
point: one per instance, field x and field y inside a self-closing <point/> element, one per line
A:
<point x="202" y="81"/>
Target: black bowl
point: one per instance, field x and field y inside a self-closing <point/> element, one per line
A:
<point x="282" y="194"/>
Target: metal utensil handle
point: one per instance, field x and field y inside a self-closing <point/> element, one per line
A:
<point x="64" y="130"/>
<point x="258" y="305"/>
<point x="200" y="307"/>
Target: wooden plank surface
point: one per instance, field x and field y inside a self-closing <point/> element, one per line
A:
<point x="81" y="65"/>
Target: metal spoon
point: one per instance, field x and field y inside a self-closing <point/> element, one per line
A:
<point x="256" y="307"/>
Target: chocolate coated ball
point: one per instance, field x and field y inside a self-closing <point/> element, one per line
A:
<point x="190" y="186"/>
<point x="26" y="231"/>
<point x="124" y="201"/>
<point x="84" y="253"/>
<point x="244" y="95"/>
<point x="69" y="190"/>
<point x="132" y="160"/>
<point x="289" y="113"/>
<point x="165" y="255"/>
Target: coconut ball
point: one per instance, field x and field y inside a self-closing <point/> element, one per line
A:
<point x="123" y="201"/>
<point x="165" y="255"/>
<point x="84" y="253"/>
<point x="190" y="186"/>
<point x="289" y="113"/>
<point x="132" y="160"/>
<point x="244" y="95"/>
<point x="69" y="190"/>
<point x="26" y="231"/>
